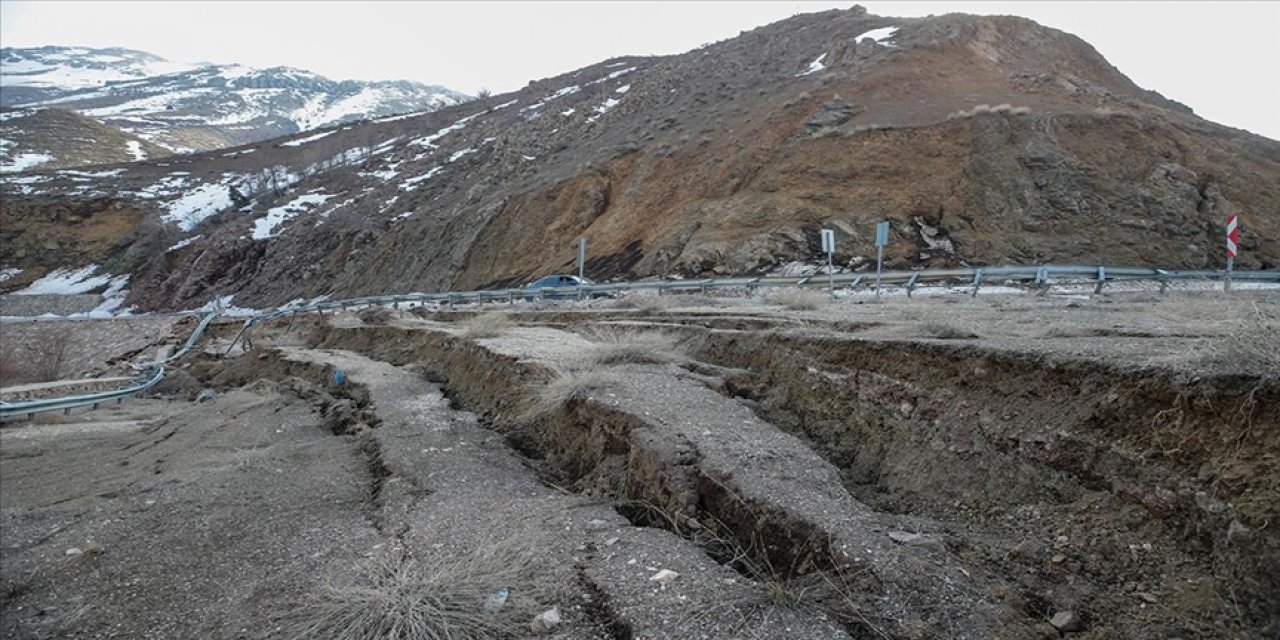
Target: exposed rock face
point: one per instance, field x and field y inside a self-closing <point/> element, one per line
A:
<point x="981" y="139"/>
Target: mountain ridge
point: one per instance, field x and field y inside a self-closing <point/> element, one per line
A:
<point x="981" y="139"/>
<point x="198" y="107"/>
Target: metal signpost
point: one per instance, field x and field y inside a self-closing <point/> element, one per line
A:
<point x="1233" y="239"/>
<point x="829" y="245"/>
<point x="882" y="238"/>
<point x="582" y="255"/>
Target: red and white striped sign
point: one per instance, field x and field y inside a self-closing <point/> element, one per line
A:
<point x="1233" y="236"/>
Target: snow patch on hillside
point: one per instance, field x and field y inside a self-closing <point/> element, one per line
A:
<point x="135" y="149"/>
<point x="24" y="161"/>
<point x="196" y="205"/>
<point x="815" y="66"/>
<point x="301" y="141"/>
<point x="72" y="281"/>
<point x="183" y="243"/>
<point x="879" y="35"/>
<point x="265" y="227"/>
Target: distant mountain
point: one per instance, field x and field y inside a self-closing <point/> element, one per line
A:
<point x="198" y="107"/>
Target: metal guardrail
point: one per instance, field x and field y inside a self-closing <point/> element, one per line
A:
<point x="150" y="375"/>
<point x="975" y="277"/>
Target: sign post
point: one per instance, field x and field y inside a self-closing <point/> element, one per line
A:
<point x="582" y="256"/>
<point x="1233" y="239"/>
<point x="829" y="246"/>
<point x="882" y="238"/>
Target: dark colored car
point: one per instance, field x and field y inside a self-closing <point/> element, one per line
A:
<point x="533" y="290"/>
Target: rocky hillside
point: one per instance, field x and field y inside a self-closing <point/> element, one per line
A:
<point x="61" y="138"/>
<point x="185" y="107"/>
<point x="982" y="139"/>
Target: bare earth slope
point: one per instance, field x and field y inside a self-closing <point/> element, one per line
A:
<point x="982" y="139"/>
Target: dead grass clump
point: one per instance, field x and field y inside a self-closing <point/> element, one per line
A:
<point x="613" y="346"/>
<point x="376" y="316"/>
<point x="944" y="332"/>
<point x="445" y="596"/>
<point x="801" y="299"/>
<point x="490" y="324"/>
<point x="567" y="383"/>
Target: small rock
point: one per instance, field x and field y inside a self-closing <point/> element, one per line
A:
<point x="611" y="541"/>
<point x="93" y="549"/>
<point x="666" y="576"/>
<point x="546" y="621"/>
<point x="1065" y="621"/>
<point x="1147" y="597"/>
<point x="597" y="524"/>
<point x="74" y="551"/>
<point x="1058" y="558"/>
<point x="904" y="537"/>
<point x="205" y="395"/>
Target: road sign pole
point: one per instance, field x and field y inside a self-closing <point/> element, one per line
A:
<point x="829" y="246"/>
<point x="882" y="238"/>
<point x="1233" y="238"/>
<point x="582" y="256"/>
<point x="879" y="267"/>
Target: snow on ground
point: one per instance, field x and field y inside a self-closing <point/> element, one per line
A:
<point x="412" y="183"/>
<point x="568" y="112"/>
<point x="429" y="141"/>
<point x="24" y="161"/>
<point x="11" y="272"/>
<point x="183" y="243"/>
<point x="620" y="73"/>
<point x="197" y="204"/>
<point x="16" y="113"/>
<point x="151" y="104"/>
<point x="879" y="35"/>
<point x="265" y="227"/>
<point x="815" y="66"/>
<point x="69" y="281"/>
<point x="107" y="173"/>
<point x="403" y="116"/>
<point x="458" y="154"/>
<point x="135" y="149"/>
<point x="301" y="141"/>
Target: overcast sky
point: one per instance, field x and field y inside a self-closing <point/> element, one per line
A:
<point x="1220" y="58"/>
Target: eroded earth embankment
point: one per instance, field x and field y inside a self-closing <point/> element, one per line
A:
<point x="648" y="475"/>
<point x="956" y="490"/>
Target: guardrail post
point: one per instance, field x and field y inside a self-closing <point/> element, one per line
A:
<point x="1102" y="280"/>
<point x="911" y="284"/>
<point x="1164" y="284"/>
<point x="977" y="282"/>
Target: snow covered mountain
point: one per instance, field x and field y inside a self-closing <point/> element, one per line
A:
<point x="195" y="107"/>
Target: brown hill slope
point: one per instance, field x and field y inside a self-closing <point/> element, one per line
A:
<point x="69" y="139"/>
<point x="982" y="139"/>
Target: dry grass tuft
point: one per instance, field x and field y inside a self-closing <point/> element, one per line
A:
<point x="446" y="596"/>
<point x="801" y="299"/>
<point x="613" y="346"/>
<point x="567" y="383"/>
<point x="490" y="324"/>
